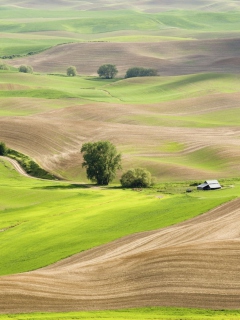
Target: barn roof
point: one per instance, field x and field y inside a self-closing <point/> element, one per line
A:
<point x="211" y="181"/>
<point x="210" y="184"/>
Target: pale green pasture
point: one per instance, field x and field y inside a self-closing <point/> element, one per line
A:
<point x="24" y="45"/>
<point x="134" y="90"/>
<point x="207" y="159"/>
<point x="134" y="314"/>
<point x="157" y="89"/>
<point x="223" y="118"/>
<point x="21" y="106"/>
<point x="45" y="221"/>
<point x="143" y="38"/>
<point x="55" y="82"/>
<point x="40" y="93"/>
<point x="23" y="20"/>
<point x="64" y="91"/>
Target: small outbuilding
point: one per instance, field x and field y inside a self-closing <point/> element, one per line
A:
<point x="209" y="185"/>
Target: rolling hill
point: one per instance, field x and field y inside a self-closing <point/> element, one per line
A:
<point x="169" y="58"/>
<point x="193" y="264"/>
<point x="68" y="246"/>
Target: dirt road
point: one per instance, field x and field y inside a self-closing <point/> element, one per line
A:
<point x="16" y="166"/>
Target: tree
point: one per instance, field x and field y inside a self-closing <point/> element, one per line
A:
<point x="101" y="161"/>
<point x="3" y="149"/>
<point x="107" y="71"/>
<point x="71" y="71"/>
<point x="140" y="72"/>
<point x="136" y="178"/>
<point x="25" y="69"/>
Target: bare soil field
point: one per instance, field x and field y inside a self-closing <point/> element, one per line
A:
<point x="192" y="264"/>
<point x="54" y="138"/>
<point x="169" y="58"/>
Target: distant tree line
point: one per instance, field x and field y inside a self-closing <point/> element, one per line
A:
<point x="140" y="72"/>
<point x="106" y="71"/>
<point x="109" y="71"/>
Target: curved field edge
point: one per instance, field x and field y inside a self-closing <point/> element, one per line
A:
<point x="132" y="314"/>
<point x="43" y="222"/>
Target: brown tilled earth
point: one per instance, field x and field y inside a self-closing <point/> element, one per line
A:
<point x="54" y="138"/>
<point x="169" y="58"/>
<point x="192" y="264"/>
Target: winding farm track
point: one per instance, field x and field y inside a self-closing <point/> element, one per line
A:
<point x="17" y="167"/>
<point x="192" y="264"/>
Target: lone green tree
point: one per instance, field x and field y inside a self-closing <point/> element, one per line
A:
<point x="101" y="161"/>
<point x="3" y="149"/>
<point x="71" y="71"/>
<point x="107" y="71"/>
<point x="136" y="178"/>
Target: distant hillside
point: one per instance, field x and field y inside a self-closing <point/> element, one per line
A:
<point x="144" y="5"/>
<point x="169" y="58"/>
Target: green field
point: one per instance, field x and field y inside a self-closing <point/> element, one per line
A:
<point x="135" y="90"/>
<point x="31" y="239"/>
<point x="63" y="91"/>
<point x="42" y="222"/>
<point x="26" y="31"/>
<point x="134" y="314"/>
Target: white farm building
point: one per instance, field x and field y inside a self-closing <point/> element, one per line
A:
<point x="209" y="185"/>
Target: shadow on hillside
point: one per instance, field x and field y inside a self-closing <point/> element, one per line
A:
<point x="64" y="187"/>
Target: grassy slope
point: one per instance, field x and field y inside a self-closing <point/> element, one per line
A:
<point x="84" y="217"/>
<point x="135" y="90"/>
<point x="133" y="314"/>
<point x="38" y="29"/>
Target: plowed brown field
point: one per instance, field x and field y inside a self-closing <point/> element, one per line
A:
<point x="192" y="264"/>
<point x="54" y="138"/>
<point x="169" y="58"/>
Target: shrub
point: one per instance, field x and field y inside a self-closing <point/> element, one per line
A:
<point x="140" y="72"/>
<point x="25" y="69"/>
<point x="3" y="149"/>
<point x="136" y="178"/>
<point x="71" y="71"/>
<point x="4" y="67"/>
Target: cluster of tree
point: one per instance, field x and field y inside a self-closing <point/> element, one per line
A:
<point x="25" y="69"/>
<point x="140" y="72"/>
<point x="102" y="160"/>
<point x="109" y="71"/>
<point x="12" y="56"/>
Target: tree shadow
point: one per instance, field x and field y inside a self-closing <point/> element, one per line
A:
<point x="64" y="187"/>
